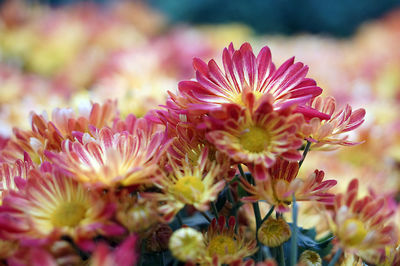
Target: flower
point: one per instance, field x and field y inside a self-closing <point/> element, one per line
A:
<point x="187" y="183"/>
<point x="243" y="73"/>
<point x="123" y="255"/>
<point x="274" y="232"/>
<point x="49" y="135"/>
<point x="110" y="159"/>
<point x="255" y="138"/>
<point x="327" y="134"/>
<point x="224" y="245"/>
<point x="362" y="226"/>
<point x="51" y="205"/>
<point x="283" y="183"/>
<point x="310" y="258"/>
<point x="186" y="244"/>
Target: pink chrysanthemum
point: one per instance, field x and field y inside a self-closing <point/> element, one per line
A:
<point x="49" y="134"/>
<point x="51" y="205"/>
<point x="328" y="134"/>
<point x="123" y="255"/>
<point x="244" y="72"/>
<point x="362" y="225"/>
<point x="283" y="182"/>
<point x="255" y="137"/>
<point x="110" y="159"/>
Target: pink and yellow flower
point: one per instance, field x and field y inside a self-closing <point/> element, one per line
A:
<point x="188" y="184"/>
<point x="52" y="205"/>
<point x="328" y="134"/>
<point x="362" y="226"/>
<point x="256" y="137"/>
<point x="244" y="72"/>
<point x="283" y="182"/>
<point x="110" y="159"/>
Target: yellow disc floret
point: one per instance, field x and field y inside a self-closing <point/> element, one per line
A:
<point x="68" y="214"/>
<point x="189" y="188"/>
<point x="254" y="139"/>
<point x="353" y="232"/>
<point x="222" y="245"/>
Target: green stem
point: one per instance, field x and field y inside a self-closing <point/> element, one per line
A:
<point x="268" y="214"/>
<point x="214" y="210"/>
<point x="281" y="256"/>
<point x="241" y="171"/>
<point x="336" y="257"/>
<point x="293" y="241"/>
<point x="206" y="216"/>
<point x="179" y="218"/>
<point x="306" y="149"/>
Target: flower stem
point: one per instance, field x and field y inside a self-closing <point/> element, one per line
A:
<point x="336" y="257"/>
<point x="306" y="149"/>
<point x="206" y="216"/>
<point x="281" y="256"/>
<point x="179" y="218"/>
<point x="268" y="214"/>
<point x="293" y="241"/>
<point x="214" y="210"/>
<point x="241" y="171"/>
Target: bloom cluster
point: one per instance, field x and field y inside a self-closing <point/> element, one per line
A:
<point x="101" y="188"/>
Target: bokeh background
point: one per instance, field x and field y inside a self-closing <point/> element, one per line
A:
<point x="56" y="54"/>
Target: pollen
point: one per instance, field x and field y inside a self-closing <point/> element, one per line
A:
<point x="190" y="188"/>
<point x="353" y="232"/>
<point x="254" y="139"/>
<point x="68" y="214"/>
<point x="222" y="245"/>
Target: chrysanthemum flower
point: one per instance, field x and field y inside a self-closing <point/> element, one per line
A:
<point x="244" y="72"/>
<point x="49" y="134"/>
<point x="124" y="255"/>
<point x="274" y="232"/>
<point x="51" y="205"/>
<point x="187" y="244"/>
<point x="9" y="172"/>
<point x="255" y="137"/>
<point x="110" y="159"/>
<point x="362" y="226"/>
<point x="310" y="258"/>
<point x="328" y="134"/>
<point x="282" y="183"/>
<point x="188" y="184"/>
<point x="224" y="244"/>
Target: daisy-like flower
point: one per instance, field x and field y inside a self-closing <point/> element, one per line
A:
<point x="282" y="183"/>
<point x="310" y="258"/>
<point x="224" y="245"/>
<point x="51" y="205"/>
<point x="9" y="173"/>
<point x="244" y="72"/>
<point x="328" y="134"/>
<point x="111" y="159"/>
<point x="255" y="137"/>
<point x="362" y="226"/>
<point x="49" y="134"/>
<point x="274" y="232"/>
<point x="187" y="184"/>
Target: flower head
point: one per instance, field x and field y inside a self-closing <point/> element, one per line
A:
<point x="186" y="244"/>
<point x="111" y="159"/>
<point x="245" y="73"/>
<point x="361" y="225"/>
<point x="310" y="258"/>
<point x="255" y="137"/>
<point x="123" y="255"/>
<point x="283" y="183"/>
<point x="188" y="183"/>
<point x="51" y="205"/>
<point x="328" y="134"/>
<point x="274" y="232"/>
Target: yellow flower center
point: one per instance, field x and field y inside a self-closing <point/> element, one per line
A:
<point x="68" y="214"/>
<point x="238" y="97"/>
<point x="190" y="188"/>
<point x="222" y="245"/>
<point x="254" y="139"/>
<point x="353" y="232"/>
<point x="274" y="232"/>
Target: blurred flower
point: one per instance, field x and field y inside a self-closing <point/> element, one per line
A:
<point x="362" y="226"/>
<point x="310" y="258"/>
<point x="158" y="239"/>
<point x="123" y="255"/>
<point x="274" y="232"/>
<point x="186" y="244"/>
<point x="282" y="183"/>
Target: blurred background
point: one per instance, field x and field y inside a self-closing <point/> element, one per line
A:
<point x="67" y="53"/>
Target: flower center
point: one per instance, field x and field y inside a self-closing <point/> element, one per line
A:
<point x="222" y="245"/>
<point x="238" y="98"/>
<point x="190" y="188"/>
<point x="68" y="214"/>
<point x="254" y="139"/>
<point x="353" y="232"/>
